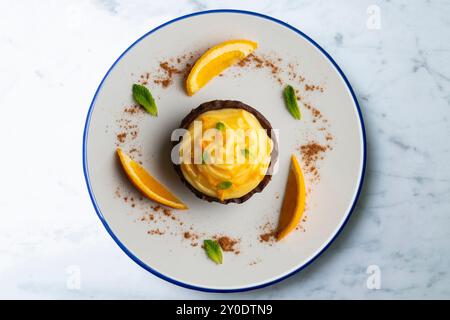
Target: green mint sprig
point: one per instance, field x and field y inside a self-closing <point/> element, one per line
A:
<point x="213" y="250"/>
<point x="144" y="98"/>
<point x="291" y="102"/>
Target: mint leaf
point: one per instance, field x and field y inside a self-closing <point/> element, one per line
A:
<point x="145" y="99"/>
<point x="291" y="102"/>
<point x="213" y="250"/>
<point x="224" y="185"/>
<point x="220" y="126"/>
<point x="245" y="153"/>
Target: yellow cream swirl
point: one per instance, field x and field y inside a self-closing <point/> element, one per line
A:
<point x="232" y="150"/>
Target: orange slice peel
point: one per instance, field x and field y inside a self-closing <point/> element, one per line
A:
<point x="215" y="61"/>
<point x="148" y="185"/>
<point x="293" y="202"/>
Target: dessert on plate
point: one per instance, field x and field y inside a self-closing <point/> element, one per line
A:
<point x="227" y="153"/>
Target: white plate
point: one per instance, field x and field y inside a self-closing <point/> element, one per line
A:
<point x="329" y="202"/>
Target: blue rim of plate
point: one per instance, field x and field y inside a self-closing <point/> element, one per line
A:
<point x="186" y="285"/>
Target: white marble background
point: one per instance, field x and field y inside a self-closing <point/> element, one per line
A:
<point x="53" y="54"/>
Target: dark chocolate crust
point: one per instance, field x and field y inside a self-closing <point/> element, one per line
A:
<point x="230" y="104"/>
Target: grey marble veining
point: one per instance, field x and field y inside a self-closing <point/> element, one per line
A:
<point x="53" y="58"/>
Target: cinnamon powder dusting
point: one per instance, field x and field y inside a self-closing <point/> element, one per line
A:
<point x="228" y="244"/>
<point x="311" y="153"/>
<point x="268" y="233"/>
<point x="170" y="69"/>
<point x="260" y="62"/>
<point x="128" y="124"/>
<point x="192" y="237"/>
<point x="266" y="237"/>
<point x="155" y="231"/>
<point x="121" y="137"/>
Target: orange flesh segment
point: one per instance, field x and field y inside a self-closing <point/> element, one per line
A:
<point x="216" y="66"/>
<point x="216" y="60"/>
<point x="294" y="201"/>
<point x="148" y="185"/>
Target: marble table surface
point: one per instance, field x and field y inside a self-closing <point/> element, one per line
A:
<point x="396" y="55"/>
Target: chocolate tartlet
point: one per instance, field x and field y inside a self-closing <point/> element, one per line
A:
<point x="225" y="182"/>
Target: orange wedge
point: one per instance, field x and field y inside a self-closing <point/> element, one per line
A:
<point x="148" y="185"/>
<point x="215" y="60"/>
<point x="293" y="202"/>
